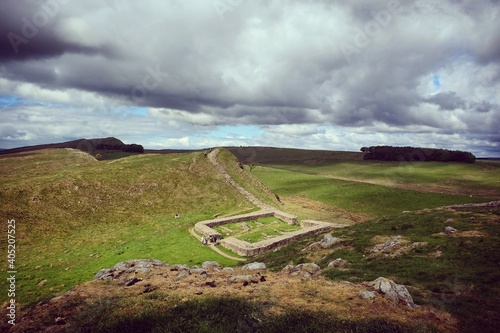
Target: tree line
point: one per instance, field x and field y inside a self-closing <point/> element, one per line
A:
<point x="416" y="154"/>
<point x="134" y="148"/>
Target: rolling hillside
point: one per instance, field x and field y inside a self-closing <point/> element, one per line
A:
<point x="75" y="215"/>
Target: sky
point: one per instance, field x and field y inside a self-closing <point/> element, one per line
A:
<point x="188" y="74"/>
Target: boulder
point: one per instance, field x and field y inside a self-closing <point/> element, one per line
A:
<point x="178" y="267"/>
<point x="197" y="271"/>
<point x="104" y="274"/>
<point x="365" y="294"/>
<point x="339" y="262"/>
<point x="137" y="264"/>
<point x="395" y="292"/>
<point x="139" y="267"/>
<point x="450" y="231"/>
<point x="328" y="241"/>
<point x="387" y="246"/>
<point x="288" y="268"/>
<point x="182" y="274"/>
<point x="306" y="270"/>
<point x="254" y="266"/>
<point x="211" y="265"/>
<point x="240" y="278"/>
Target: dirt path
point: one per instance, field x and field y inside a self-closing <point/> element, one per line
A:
<point x="213" y="247"/>
<point x="250" y="197"/>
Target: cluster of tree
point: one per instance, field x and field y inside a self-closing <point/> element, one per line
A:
<point x="415" y="154"/>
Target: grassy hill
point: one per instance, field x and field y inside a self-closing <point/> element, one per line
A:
<point x="75" y="215"/>
<point x="268" y="155"/>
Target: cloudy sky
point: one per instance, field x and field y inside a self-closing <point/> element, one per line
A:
<point x="324" y="74"/>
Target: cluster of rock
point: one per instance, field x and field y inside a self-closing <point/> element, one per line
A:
<point x="391" y="290"/>
<point x="306" y="270"/>
<point x="387" y="246"/>
<point x="130" y="272"/>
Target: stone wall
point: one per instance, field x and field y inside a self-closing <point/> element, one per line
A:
<point x="250" y="249"/>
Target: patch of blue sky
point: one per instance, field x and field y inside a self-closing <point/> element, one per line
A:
<point x="436" y="81"/>
<point x="243" y="132"/>
<point x="6" y="100"/>
<point x="137" y="111"/>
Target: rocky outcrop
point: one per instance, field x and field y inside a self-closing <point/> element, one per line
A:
<point x="327" y="242"/>
<point x="449" y="231"/>
<point x="393" y="291"/>
<point x="134" y="266"/>
<point x="387" y="246"/>
<point x="307" y="270"/>
<point x="337" y="263"/>
<point x="254" y="266"/>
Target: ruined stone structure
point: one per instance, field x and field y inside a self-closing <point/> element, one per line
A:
<point x="244" y="248"/>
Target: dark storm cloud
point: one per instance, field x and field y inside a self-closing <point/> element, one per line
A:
<point x="359" y="64"/>
<point x="447" y="100"/>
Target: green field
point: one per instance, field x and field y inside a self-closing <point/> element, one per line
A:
<point x="75" y="215"/>
<point x="256" y="230"/>
<point x="364" y="195"/>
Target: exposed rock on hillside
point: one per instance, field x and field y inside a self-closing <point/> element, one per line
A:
<point x="306" y="270"/>
<point x="395" y="292"/>
<point x="327" y="242"/>
<point x="149" y="284"/>
<point x="337" y="263"/>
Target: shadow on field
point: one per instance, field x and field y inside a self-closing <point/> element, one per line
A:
<point x="226" y="315"/>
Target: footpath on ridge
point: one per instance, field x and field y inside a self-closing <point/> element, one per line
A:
<point x="249" y="249"/>
<point x="250" y="197"/>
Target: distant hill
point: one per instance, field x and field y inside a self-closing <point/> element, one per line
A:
<point x="269" y="155"/>
<point x="90" y="146"/>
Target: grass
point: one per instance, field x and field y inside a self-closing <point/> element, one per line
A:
<point x="256" y="230"/>
<point x="355" y="196"/>
<point x="252" y="184"/>
<point x="455" y="274"/>
<point x="221" y="314"/>
<point x="75" y="215"/>
<point x="482" y="177"/>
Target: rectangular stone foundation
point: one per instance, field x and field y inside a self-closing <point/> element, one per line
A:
<point x="250" y="249"/>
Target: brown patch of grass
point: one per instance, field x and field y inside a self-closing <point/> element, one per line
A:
<point x="308" y="209"/>
<point x="280" y="294"/>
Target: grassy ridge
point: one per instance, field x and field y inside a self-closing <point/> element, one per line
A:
<point x="75" y="215"/>
<point x="355" y="196"/>
<point x="481" y="178"/>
